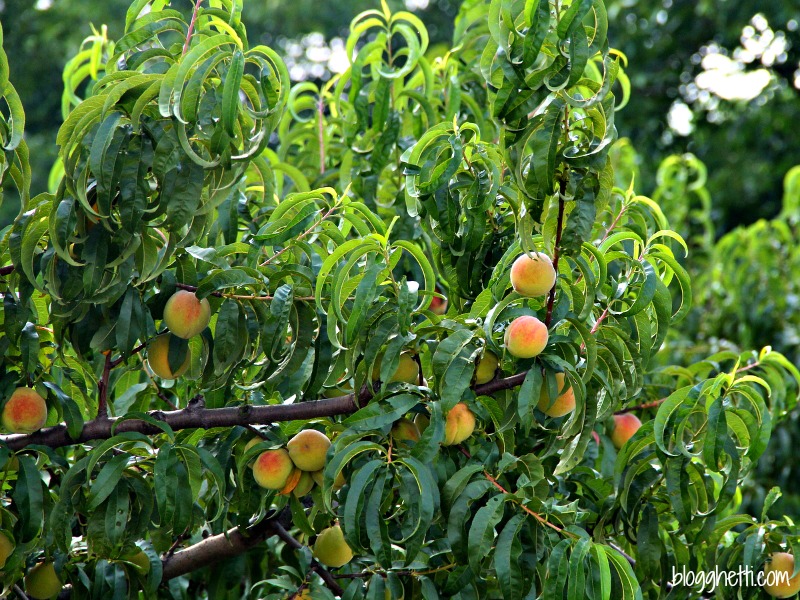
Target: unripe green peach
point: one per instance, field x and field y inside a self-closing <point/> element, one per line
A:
<point x="308" y="449"/>
<point x="533" y="275"/>
<point x="778" y="582"/>
<point x="273" y="468"/>
<point x="422" y="421"/>
<point x="564" y="402"/>
<point x="330" y="548"/>
<point x="6" y="548"/>
<point x="407" y="370"/>
<point x="304" y="484"/>
<point x="338" y="483"/>
<point x="342" y="389"/>
<point x="625" y="426"/>
<point x="185" y="315"/>
<point x="25" y="411"/>
<point x="526" y="337"/>
<point x="41" y="582"/>
<point x="158" y="358"/>
<point x="487" y="367"/>
<point x="460" y="424"/>
<point x="141" y="560"/>
<point x="405" y="430"/>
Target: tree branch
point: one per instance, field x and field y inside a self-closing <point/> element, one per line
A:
<point x="556" y="250"/>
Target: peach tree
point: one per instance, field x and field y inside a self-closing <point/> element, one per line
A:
<point x="396" y="334"/>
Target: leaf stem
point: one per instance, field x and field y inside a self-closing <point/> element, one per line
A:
<point x="191" y="27"/>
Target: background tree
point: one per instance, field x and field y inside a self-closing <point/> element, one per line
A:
<point x="274" y="250"/>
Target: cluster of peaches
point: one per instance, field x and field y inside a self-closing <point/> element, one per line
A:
<point x="185" y="316"/>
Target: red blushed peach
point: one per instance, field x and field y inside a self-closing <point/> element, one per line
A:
<point x="526" y="337"/>
<point x="405" y="430"/>
<point x="533" y="275"/>
<point x="273" y="469"/>
<point x="438" y="305"/>
<point x="625" y="425"/>
<point x="564" y="402"/>
<point x="185" y="315"/>
<point x="25" y="411"/>
<point x="778" y="580"/>
<point x="459" y="425"/>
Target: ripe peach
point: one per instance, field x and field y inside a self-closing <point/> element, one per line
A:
<point x="564" y="402"/>
<point x="625" y="425"/>
<point x="25" y="411"/>
<point x="330" y="548"/>
<point x="185" y="315"/>
<point x="308" y="449"/>
<point x="526" y="337"/>
<point x="273" y="468"/>
<point x="487" y="367"/>
<point x="438" y="305"/>
<point x="533" y="275"/>
<point x="158" y="358"/>
<point x="41" y="582"/>
<point x="407" y="370"/>
<point x="6" y="548"/>
<point x="781" y="584"/>
<point x="291" y="483"/>
<point x="405" y="430"/>
<point x="460" y="424"/>
<point x="304" y="484"/>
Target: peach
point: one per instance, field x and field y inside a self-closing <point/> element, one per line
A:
<point x="6" y="548"/>
<point x="460" y="424"/>
<point x="407" y="370"/>
<point x="41" y="582"/>
<point x="308" y="449"/>
<point x="291" y="483"/>
<point x="533" y="275"/>
<point x="24" y="412"/>
<point x="625" y="425"/>
<point x="342" y="389"/>
<point x="185" y="315"/>
<point x="487" y="367"/>
<point x="438" y="305"/>
<point x="158" y="358"/>
<point x="273" y="468"/>
<point x="526" y="337"/>
<point x="338" y="483"/>
<point x="564" y="402"/>
<point x="330" y="548"/>
<point x="404" y="430"/>
<point x="142" y="562"/>
<point x="304" y="484"/>
<point x="778" y="581"/>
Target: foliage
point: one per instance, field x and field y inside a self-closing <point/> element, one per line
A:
<point x="320" y="221"/>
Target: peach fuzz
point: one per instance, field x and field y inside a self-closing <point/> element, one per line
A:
<point x="460" y="424"/>
<point x="273" y="468"/>
<point x="564" y="402"/>
<point x="779" y="585"/>
<point x="526" y="337"/>
<point x="185" y="315"/>
<point x="625" y="425"/>
<point x="533" y="275"/>
<point x="158" y="358"/>
<point x="25" y="411"/>
<point x="308" y="449"/>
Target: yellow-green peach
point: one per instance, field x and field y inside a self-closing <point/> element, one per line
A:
<point x="533" y="275"/>
<point x="404" y="430"/>
<point x="526" y="337"/>
<point x="308" y="449"/>
<point x="564" y="402"/>
<point x="24" y="412"/>
<point x="141" y="560"/>
<point x="778" y="580"/>
<point x="331" y="549"/>
<point x="6" y="548"/>
<point x="625" y="426"/>
<point x="273" y="468"/>
<point x="338" y="483"/>
<point x="158" y="358"/>
<point x="407" y="370"/>
<point x="459" y="425"/>
<point x="41" y="582"/>
<point x="304" y="484"/>
<point x="185" y="315"/>
<point x="487" y="367"/>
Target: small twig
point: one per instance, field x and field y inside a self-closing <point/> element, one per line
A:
<point x="121" y="359"/>
<point x="177" y="542"/>
<point x="102" y="387"/>
<point x="645" y="406"/>
<point x="18" y="591"/>
<point x="191" y="26"/>
<point x="193" y="288"/>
